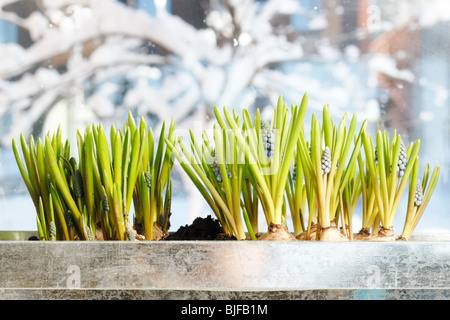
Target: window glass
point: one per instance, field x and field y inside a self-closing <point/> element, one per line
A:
<point x="69" y="63"/>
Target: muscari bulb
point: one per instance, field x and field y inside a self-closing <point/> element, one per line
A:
<point x="326" y="161"/>
<point x="402" y="161"/>
<point x="268" y="139"/>
<point x="418" y="196"/>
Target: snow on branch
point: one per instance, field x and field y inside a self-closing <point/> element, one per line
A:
<point x="185" y="69"/>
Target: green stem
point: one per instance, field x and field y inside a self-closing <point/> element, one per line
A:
<point x="249" y="225"/>
<point x="51" y="161"/>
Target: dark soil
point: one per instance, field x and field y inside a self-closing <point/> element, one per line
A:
<point x="201" y="229"/>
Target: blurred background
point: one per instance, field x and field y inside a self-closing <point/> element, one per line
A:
<point x="69" y="63"/>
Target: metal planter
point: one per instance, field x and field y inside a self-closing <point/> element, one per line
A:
<point x="416" y="269"/>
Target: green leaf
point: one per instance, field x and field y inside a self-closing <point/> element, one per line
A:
<point x="62" y="186"/>
<point x="26" y="179"/>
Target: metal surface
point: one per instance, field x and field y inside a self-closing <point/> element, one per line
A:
<point x="200" y="294"/>
<point x="18" y="235"/>
<point x="226" y="269"/>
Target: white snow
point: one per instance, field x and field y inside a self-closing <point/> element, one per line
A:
<point x="434" y="11"/>
<point x="426" y="115"/>
<point x="318" y="22"/>
<point x="388" y="66"/>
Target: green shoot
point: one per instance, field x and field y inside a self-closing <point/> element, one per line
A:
<point x="418" y="197"/>
<point x="268" y="168"/>
<point x="388" y="178"/>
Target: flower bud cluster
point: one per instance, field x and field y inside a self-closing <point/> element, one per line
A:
<point x="326" y="161"/>
<point x="52" y="229"/>
<point x="268" y="139"/>
<point x="214" y="163"/>
<point x="402" y="161"/>
<point x="294" y="171"/>
<point x="418" y="196"/>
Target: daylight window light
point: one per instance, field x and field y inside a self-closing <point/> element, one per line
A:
<point x="160" y="3"/>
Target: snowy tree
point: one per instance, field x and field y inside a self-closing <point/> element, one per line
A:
<point x="89" y="52"/>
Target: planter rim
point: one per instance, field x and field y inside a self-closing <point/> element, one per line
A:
<point x="23" y="235"/>
<point x="224" y="265"/>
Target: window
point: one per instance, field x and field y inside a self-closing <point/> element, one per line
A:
<point x="387" y="61"/>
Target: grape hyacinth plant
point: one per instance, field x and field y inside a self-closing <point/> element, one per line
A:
<point x="296" y="194"/>
<point x="268" y="176"/>
<point x="417" y="199"/>
<point x="247" y="169"/>
<point x="217" y="172"/>
<point x="153" y="191"/>
<point x="388" y="179"/>
<point x="370" y="217"/>
<point x="88" y="199"/>
<point x="348" y="199"/>
<point x="327" y="167"/>
<point x="50" y="182"/>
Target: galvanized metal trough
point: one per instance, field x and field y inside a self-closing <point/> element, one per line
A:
<point x="417" y="269"/>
